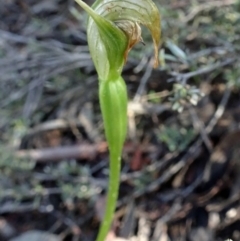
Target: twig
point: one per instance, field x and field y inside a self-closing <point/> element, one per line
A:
<point x="220" y="110"/>
<point x="184" y="77"/>
<point x="160" y="229"/>
<point x="59" y="153"/>
<point x="206" y="6"/>
<point x="50" y="44"/>
<point x="144" y="80"/>
<point x="16" y="207"/>
<point x="67" y="221"/>
<point x="199" y="126"/>
<point x="221" y="50"/>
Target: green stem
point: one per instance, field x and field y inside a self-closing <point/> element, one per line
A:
<point x="112" y="196"/>
<point x="113" y="102"/>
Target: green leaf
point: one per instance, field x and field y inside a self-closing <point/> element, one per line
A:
<point x="107" y="44"/>
<point x="178" y="52"/>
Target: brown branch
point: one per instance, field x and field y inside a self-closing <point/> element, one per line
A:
<point x="84" y="151"/>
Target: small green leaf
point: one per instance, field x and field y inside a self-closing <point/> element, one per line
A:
<point x="178" y="52"/>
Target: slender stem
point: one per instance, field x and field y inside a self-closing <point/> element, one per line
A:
<point x="112" y="196"/>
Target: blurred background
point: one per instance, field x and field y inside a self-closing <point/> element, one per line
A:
<point x="181" y="161"/>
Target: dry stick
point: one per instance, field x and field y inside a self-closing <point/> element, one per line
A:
<point x="192" y="152"/>
<point x="144" y="80"/>
<point x="160" y="228"/>
<point x="207" y="6"/>
<point x="53" y="125"/>
<point x="83" y="151"/>
<point x="216" y="50"/>
<point x="52" y="44"/>
<point x="199" y="126"/>
<point x="204" y="70"/>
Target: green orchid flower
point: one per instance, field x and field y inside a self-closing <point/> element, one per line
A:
<point x="113" y="29"/>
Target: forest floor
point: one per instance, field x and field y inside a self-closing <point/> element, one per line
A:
<point x="180" y="176"/>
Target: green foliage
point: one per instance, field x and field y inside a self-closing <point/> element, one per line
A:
<point x="176" y="139"/>
<point x="183" y="94"/>
<point x="176" y="51"/>
<point x="233" y="78"/>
